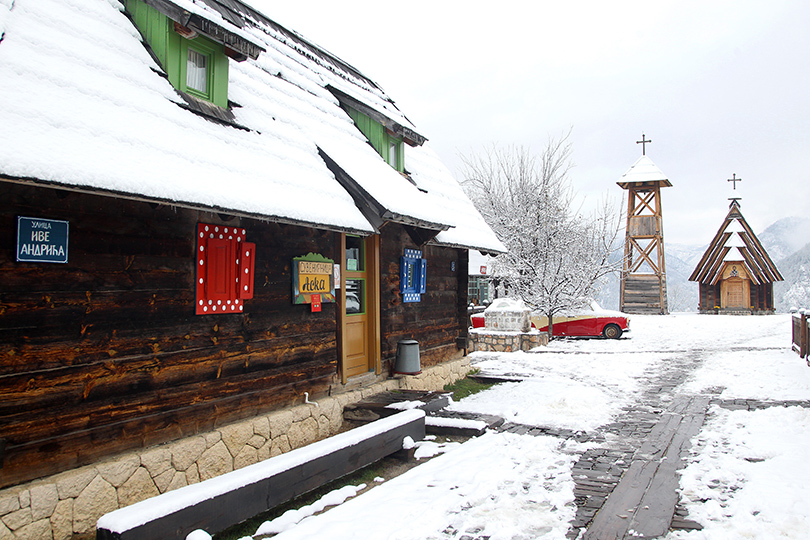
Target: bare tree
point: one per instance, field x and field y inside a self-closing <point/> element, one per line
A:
<point x="556" y="256"/>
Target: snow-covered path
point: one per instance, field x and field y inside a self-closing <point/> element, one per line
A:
<point x="509" y="486"/>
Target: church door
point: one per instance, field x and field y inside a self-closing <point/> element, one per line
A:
<point x="735" y="293"/>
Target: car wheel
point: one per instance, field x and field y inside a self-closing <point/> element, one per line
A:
<point x="612" y="331"/>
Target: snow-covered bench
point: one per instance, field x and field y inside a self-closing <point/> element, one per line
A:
<point x="218" y="503"/>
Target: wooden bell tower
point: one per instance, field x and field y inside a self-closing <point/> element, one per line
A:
<point x="644" y="282"/>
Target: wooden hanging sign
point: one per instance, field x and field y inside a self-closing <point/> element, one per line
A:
<point x="313" y="279"/>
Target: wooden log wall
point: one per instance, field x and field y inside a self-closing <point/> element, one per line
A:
<point x="104" y="354"/>
<point x="441" y="316"/>
<point x="762" y="297"/>
<point x="709" y="297"/>
<point x="643" y="292"/>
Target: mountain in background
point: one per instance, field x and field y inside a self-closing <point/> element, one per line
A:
<point x="785" y="238"/>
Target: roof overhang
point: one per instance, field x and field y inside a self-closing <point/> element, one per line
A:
<point x="641" y="186"/>
<point x="421" y="231"/>
<point x="408" y="135"/>
<point x="190" y="205"/>
<point x="236" y="45"/>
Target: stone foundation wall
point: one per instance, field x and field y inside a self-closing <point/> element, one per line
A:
<point x="486" y="340"/>
<point x="67" y="505"/>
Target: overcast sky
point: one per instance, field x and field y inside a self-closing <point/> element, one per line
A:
<point x="721" y="88"/>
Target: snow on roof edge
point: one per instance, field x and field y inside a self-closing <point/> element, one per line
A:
<point x="91" y="190"/>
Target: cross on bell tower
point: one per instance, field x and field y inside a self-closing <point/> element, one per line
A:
<point x="644" y="285"/>
<point x="643" y="144"/>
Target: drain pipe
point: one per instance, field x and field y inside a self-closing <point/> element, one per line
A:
<point x="307" y="401"/>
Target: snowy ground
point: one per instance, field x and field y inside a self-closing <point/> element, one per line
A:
<point x="747" y="477"/>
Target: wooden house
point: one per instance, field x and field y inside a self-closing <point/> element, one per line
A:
<point x="204" y="217"/>
<point x="735" y="274"/>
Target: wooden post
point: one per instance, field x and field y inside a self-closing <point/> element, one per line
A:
<point x="800" y="334"/>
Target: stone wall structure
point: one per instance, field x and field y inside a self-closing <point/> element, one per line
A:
<point x="507" y="328"/>
<point x="67" y="505"/>
<point x="482" y="339"/>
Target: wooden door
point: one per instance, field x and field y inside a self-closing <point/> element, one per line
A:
<point x="360" y="324"/>
<point x="734" y="296"/>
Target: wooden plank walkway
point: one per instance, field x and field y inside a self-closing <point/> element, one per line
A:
<point x="643" y="503"/>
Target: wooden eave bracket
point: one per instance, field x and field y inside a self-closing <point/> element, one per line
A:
<point x="240" y="48"/>
<point x="408" y="135"/>
<point x="419" y="235"/>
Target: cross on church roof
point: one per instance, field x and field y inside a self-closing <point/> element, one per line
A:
<point x="643" y="144"/>
<point x="735" y="180"/>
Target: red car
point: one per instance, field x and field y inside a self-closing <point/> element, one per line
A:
<point x="592" y="321"/>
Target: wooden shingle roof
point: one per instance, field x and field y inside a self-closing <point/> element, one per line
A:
<point x="97" y="114"/>
<point x="735" y="241"/>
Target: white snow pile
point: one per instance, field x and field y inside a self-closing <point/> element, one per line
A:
<point x="461" y="423"/>
<point x="524" y="490"/>
<point x="506" y="305"/>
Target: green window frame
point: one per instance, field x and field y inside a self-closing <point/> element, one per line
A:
<point x="206" y="51"/>
<point x="356" y="293"/>
<point x="216" y="90"/>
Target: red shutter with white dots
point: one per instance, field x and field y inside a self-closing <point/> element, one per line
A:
<point x="246" y="264"/>
<point x="224" y="269"/>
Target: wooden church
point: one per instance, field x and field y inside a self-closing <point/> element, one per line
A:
<point x="735" y="274"/>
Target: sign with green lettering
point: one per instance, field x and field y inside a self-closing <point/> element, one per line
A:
<point x="42" y="240"/>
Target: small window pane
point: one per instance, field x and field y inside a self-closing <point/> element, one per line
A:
<point x="354" y="254"/>
<point x="355" y="296"/>
<point x="197" y="71"/>
<point x="392" y="154"/>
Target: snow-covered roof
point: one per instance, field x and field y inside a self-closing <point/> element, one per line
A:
<point x="644" y="170"/>
<point x="735" y="242"/>
<point x="87" y="107"/>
